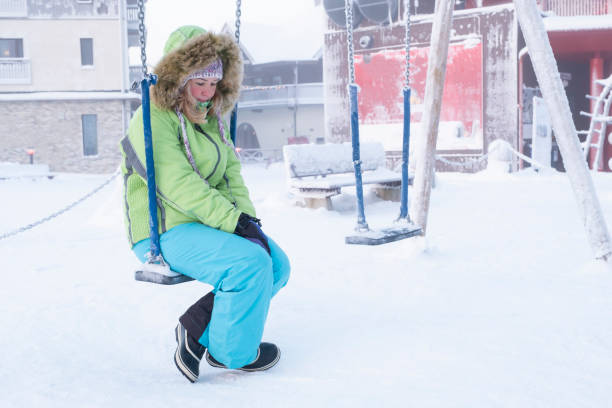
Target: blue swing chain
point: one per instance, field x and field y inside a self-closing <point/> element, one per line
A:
<point x="145" y="84"/>
<point x="406" y="134"/>
<point x="353" y="89"/>
<point x="362" y="225"/>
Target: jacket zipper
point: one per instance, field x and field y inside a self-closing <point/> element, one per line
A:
<point x="199" y="129"/>
<point x="229" y="189"/>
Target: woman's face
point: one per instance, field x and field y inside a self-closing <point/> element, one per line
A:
<point x="203" y="89"/>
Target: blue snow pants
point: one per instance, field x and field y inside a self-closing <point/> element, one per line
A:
<point x="244" y="279"/>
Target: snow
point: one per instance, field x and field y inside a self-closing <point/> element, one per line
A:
<point x="549" y="80"/>
<point x="321" y="159"/>
<point x="14" y="170"/>
<point x="500" y="306"/>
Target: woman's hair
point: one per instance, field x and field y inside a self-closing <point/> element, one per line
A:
<point x="187" y="105"/>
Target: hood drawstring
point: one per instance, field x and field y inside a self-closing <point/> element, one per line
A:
<point x="222" y="133"/>
<point x="188" y="147"/>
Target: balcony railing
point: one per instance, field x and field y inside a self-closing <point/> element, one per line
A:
<point x="15" y="71"/>
<point x="135" y="74"/>
<point x="13" y="8"/>
<point x="132" y="13"/>
<point x="281" y="95"/>
<point x="577" y="7"/>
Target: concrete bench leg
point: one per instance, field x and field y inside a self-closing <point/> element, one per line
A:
<point x="324" y="202"/>
<point x="388" y="193"/>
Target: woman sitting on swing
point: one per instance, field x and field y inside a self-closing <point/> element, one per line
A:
<point x="208" y="226"/>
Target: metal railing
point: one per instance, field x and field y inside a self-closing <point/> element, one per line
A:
<point x="281" y="95"/>
<point x="577" y="7"/>
<point x="135" y="73"/>
<point x="15" y="71"/>
<point x="259" y="155"/>
<point x="13" y="8"/>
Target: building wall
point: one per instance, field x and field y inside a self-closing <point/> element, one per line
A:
<point x="275" y="125"/>
<point x="53" y="47"/>
<point x="54" y="130"/>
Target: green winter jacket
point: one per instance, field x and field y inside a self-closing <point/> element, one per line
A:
<point x="182" y="196"/>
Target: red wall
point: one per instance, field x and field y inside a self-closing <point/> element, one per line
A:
<point x="381" y="80"/>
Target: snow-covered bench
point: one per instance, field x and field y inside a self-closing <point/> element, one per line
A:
<point x="317" y="172"/>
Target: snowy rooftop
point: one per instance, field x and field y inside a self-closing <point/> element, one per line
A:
<point x="67" y="96"/>
<point x="578" y="23"/>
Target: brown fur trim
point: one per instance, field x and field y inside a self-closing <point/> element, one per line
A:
<point x="197" y="54"/>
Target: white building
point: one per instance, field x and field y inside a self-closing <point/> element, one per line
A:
<point x="64" y="81"/>
<point x="282" y="99"/>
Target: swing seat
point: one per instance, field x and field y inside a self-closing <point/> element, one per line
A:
<point x="383" y="236"/>
<point x="160" y="274"/>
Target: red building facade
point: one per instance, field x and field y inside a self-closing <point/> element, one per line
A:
<point x="487" y="74"/>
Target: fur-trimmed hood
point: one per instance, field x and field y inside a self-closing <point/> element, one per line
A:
<point x="196" y="54"/>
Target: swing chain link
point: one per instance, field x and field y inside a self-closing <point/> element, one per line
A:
<point x="238" y="14"/>
<point x="60" y="212"/>
<point x="142" y="38"/>
<point x="348" y="8"/>
<point x="407" y="42"/>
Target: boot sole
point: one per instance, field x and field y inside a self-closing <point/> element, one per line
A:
<point x="179" y="362"/>
<point x="266" y="367"/>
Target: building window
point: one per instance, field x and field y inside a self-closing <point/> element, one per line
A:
<point x="87" y="51"/>
<point x="11" y="48"/>
<point x="90" y="134"/>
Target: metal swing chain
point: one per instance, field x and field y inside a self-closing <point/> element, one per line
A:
<point x="349" y="38"/>
<point x="234" y="115"/>
<point x="142" y="38"/>
<point x="353" y="89"/>
<point x="60" y="212"/>
<point x="238" y="14"/>
<point x="407" y="42"/>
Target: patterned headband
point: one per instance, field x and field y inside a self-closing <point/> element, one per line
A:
<point x="213" y="70"/>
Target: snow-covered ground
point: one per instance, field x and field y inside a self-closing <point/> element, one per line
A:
<point x="501" y="305"/>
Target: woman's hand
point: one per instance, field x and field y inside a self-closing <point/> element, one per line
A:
<point x="250" y="228"/>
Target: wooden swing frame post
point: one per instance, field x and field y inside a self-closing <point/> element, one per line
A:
<point x="549" y="79"/>
<point x="436" y="74"/>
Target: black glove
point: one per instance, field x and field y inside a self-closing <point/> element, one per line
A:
<point x="250" y="228"/>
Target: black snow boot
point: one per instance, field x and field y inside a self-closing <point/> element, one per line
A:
<point x="267" y="356"/>
<point x="188" y="354"/>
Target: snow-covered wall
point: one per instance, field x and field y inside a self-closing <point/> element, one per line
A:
<point x="500" y="38"/>
<point x="335" y="72"/>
